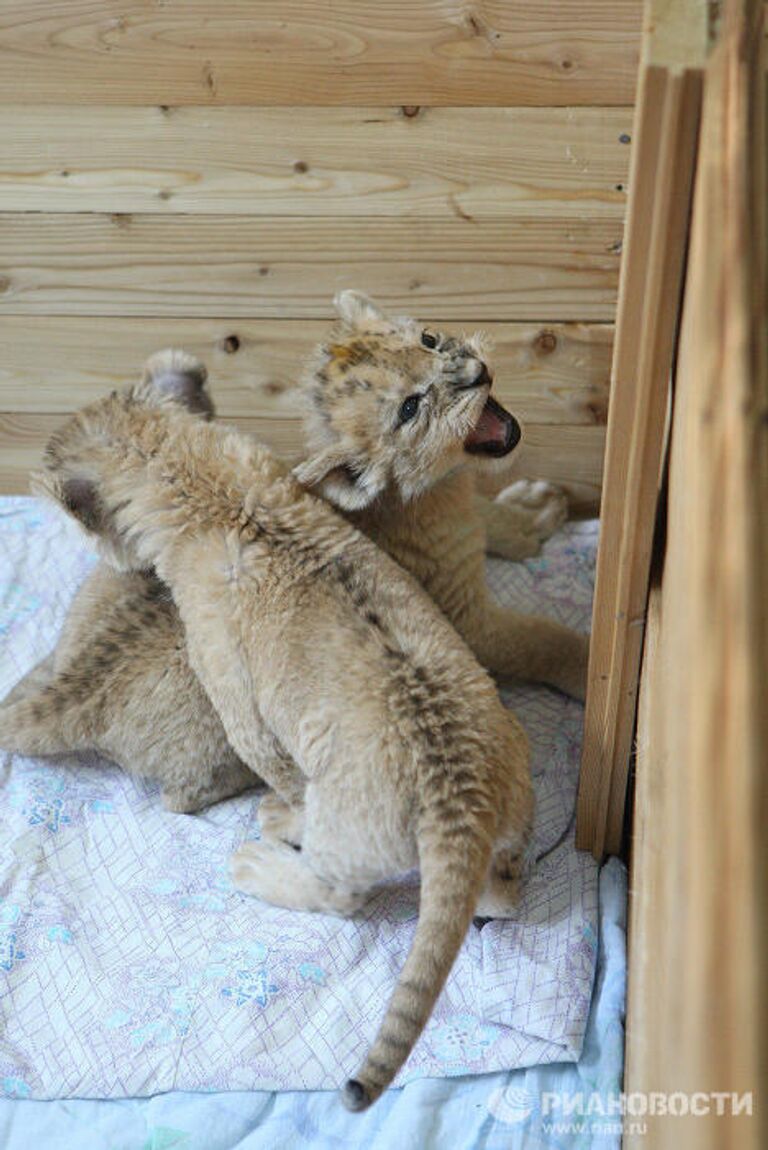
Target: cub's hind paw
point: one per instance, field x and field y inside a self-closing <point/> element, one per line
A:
<point x="280" y="822"/>
<point x="280" y="876"/>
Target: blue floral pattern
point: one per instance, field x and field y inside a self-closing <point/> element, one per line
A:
<point x="501" y="1111"/>
<point x="461" y="1041"/>
<point x="251" y="986"/>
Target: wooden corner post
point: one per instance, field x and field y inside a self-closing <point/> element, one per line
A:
<point x="675" y="41"/>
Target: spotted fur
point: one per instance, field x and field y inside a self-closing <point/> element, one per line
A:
<point x="119" y="680"/>
<point x="336" y="679"/>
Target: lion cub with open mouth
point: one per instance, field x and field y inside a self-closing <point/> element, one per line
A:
<point x="336" y="678"/>
<point x="397" y="419"/>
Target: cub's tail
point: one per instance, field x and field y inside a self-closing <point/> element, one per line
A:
<point x="454" y="863"/>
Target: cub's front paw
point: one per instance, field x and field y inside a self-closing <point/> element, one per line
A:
<point x="543" y="506"/>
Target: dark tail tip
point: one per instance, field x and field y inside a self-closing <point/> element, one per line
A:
<point x="355" y="1096"/>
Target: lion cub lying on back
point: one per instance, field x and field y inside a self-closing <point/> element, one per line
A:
<point x="336" y="678"/>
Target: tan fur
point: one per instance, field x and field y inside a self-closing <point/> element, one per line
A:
<point x="335" y="676"/>
<point x="410" y="487"/>
<point x="140" y="704"/>
<point x="119" y="680"/>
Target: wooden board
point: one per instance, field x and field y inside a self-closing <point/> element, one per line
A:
<point x="698" y="1020"/>
<point x="669" y="99"/>
<point x="241" y="266"/>
<point x="572" y="456"/>
<point x="470" y="163"/>
<point x="656" y="823"/>
<point x="551" y="374"/>
<point x="315" y="52"/>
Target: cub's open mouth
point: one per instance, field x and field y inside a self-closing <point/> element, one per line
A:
<point x="495" y="433"/>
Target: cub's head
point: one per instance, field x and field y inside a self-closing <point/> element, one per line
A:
<point x="394" y="405"/>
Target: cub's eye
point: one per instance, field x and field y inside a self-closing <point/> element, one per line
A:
<point x="408" y="408"/>
<point x="430" y="340"/>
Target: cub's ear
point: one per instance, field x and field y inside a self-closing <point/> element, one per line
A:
<point x="341" y="480"/>
<point x="360" y="313"/>
<point x="77" y="496"/>
<point x="175" y="376"/>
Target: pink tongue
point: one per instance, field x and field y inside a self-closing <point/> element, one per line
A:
<point x="489" y="429"/>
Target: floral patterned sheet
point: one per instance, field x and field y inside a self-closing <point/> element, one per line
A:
<point x="517" y="1110"/>
<point x="130" y="966"/>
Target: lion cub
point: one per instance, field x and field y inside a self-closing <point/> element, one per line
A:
<point x="336" y="678"/>
<point x="397" y="419"/>
<point x="390" y="444"/>
<point x="119" y="681"/>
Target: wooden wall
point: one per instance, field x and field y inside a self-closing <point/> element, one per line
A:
<point x="697" y="1019"/>
<point x="208" y="175"/>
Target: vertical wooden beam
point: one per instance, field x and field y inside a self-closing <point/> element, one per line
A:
<point x="666" y="119"/>
<point x="698" y="1013"/>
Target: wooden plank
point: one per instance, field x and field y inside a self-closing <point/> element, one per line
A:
<point x="474" y="163"/>
<point x="317" y="52"/>
<point x="554" y="374"/>
<point x="700" y="904"/>
<point x="660" y="189"/>
<point x="649" y="938"/>
<point x="572" y="456"/>
<point x="237" y="266"/>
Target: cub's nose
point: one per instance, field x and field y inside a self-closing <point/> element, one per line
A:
<point x="483" y="377"/>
